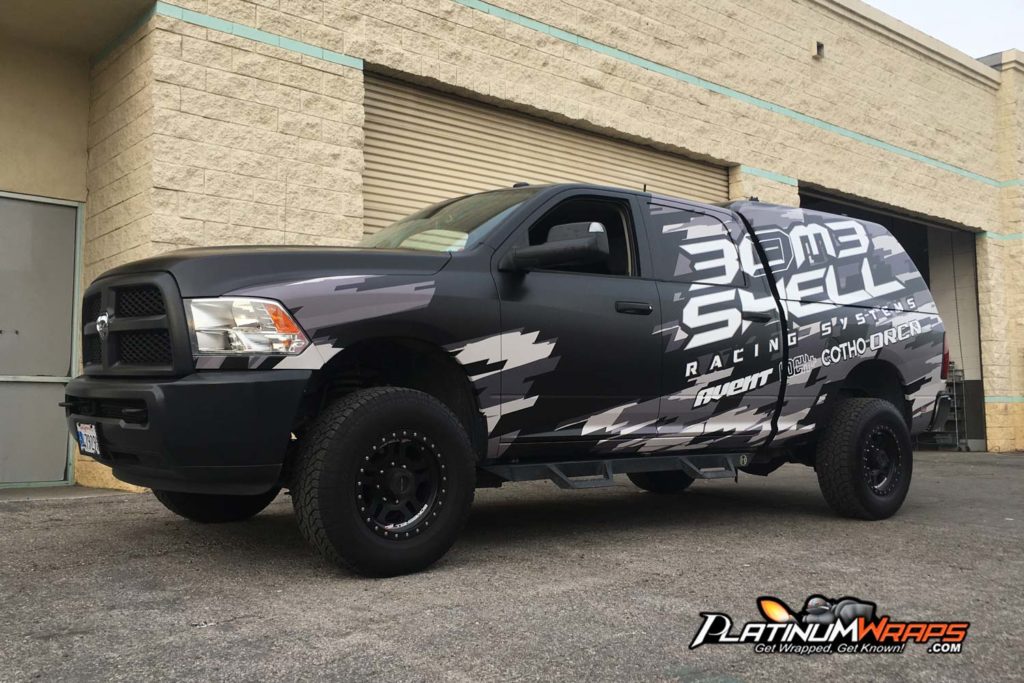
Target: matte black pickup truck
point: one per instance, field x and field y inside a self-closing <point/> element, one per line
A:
<point x="566" y="332"/>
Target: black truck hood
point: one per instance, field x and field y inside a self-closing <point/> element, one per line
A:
<point x="213" y="271"/>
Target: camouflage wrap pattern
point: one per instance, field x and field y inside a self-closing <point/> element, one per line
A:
<point x="741" y="368"/>
<point x="720" y="372"/>
<point x="851" y="294"/>
<point x="323" y="306"/>
<point x="505" y="365"/>
<point x="848" y="293"/>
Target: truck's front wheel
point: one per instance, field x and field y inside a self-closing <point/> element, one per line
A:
<point x="384" y="481"/>
<point x="864" y="461"/>
<point x="213" y="508"/>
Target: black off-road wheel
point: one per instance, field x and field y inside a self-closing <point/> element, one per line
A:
<point x="671" y="481"/>
<point x="865" y="459"/>
<point x="384" y="481"/>
<point x="213" y="508"/>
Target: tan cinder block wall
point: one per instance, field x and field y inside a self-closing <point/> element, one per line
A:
<point x="1001" y="271"/>
<point x="877" y="86"/>
<point x="253" y="143"/>
<point x="743" y="184"/>
<point x="118" y="213"/>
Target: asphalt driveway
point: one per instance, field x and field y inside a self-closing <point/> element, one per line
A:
<point x="544" y="585"/>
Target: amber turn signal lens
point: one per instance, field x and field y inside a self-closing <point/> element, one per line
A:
<point x="282" y="321"/>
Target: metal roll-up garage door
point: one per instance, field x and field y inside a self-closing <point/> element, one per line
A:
<point x="423" y="146"/>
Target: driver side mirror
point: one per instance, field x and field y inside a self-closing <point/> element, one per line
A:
<point x="569" y="244"/>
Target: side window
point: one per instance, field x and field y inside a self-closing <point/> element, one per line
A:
<point x="692" y="247"/>
<point x="581" y="216"/>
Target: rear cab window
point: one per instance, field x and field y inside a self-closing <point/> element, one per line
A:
<point x="689" y="246"/>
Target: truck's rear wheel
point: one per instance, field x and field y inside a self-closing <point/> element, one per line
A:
<point x="864" y="461"/>
<point x="672" y="481"/>
<point x="384" y="481"/>
<point x="214" y="508"/>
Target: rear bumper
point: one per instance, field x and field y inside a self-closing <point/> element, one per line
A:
<point x="215" y="432"/>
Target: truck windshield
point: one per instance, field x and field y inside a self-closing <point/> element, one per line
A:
<point x="451" y="225"/>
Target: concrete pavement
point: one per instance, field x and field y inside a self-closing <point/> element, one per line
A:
<point x="545" y="585"/>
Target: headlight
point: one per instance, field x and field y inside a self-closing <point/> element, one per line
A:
<point x="235" y="325"/>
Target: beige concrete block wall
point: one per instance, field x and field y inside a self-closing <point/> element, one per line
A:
<point x="1001" y="270"/>
<point x="765" y="49"/>
<point x="118" y="213"/>
<point x="743" y="184"/>
<point x="874" y="85"/>
<point x="252" y="144"/>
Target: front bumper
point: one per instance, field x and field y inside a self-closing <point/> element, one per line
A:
<point x="210" y="432"/>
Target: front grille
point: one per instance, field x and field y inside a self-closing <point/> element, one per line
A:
<point x="144" y="347"/>
<point x="90" y="308"/>
<point x="137" y="302"/>
<point x="91" y="352"/>
<point x="134" y="325"/>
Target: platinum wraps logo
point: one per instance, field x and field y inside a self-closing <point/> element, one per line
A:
<point x="845" y="625"/>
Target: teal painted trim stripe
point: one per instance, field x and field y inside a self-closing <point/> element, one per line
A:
<point x="166" y="9"/>
<point x="728" y="92"/>
<point x="770" y="175"/>
<point x="1003" y="237"/>
<point x="1004" y="399"/>
<point x="76" y="325"/>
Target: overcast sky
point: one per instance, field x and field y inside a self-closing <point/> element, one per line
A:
<point x="977" y="27"/>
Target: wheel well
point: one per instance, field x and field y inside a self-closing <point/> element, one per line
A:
<point x="870" y="379"/>
<point x="878" y="379"/>
<point x="402" y="362"/>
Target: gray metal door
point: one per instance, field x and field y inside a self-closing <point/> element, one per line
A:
<point x="37" y="355"/>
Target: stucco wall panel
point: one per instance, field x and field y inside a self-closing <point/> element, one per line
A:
<point x="44" y="114"/>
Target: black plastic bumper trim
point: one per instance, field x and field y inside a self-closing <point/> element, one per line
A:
<point x="211" y="432"/>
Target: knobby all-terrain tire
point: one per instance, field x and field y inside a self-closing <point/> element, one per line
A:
<point x="845" y="461"/>
<point x="214" y="508"/>
<point x="339" y="458"/>
<point x="671" y="481"/>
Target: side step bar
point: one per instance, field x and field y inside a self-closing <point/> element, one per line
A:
<point x="589" y="474"/>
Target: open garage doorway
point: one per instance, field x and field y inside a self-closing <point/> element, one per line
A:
<point x="945" y="255"/>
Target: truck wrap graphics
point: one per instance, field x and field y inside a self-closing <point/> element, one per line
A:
<point x="848" y="293"/>
<point x="569" y="332"/>
<point x="851" y="294"/>
<point x="505" y="365"/>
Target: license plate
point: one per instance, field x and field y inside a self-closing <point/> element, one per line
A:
<point x="87" y="439"/>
